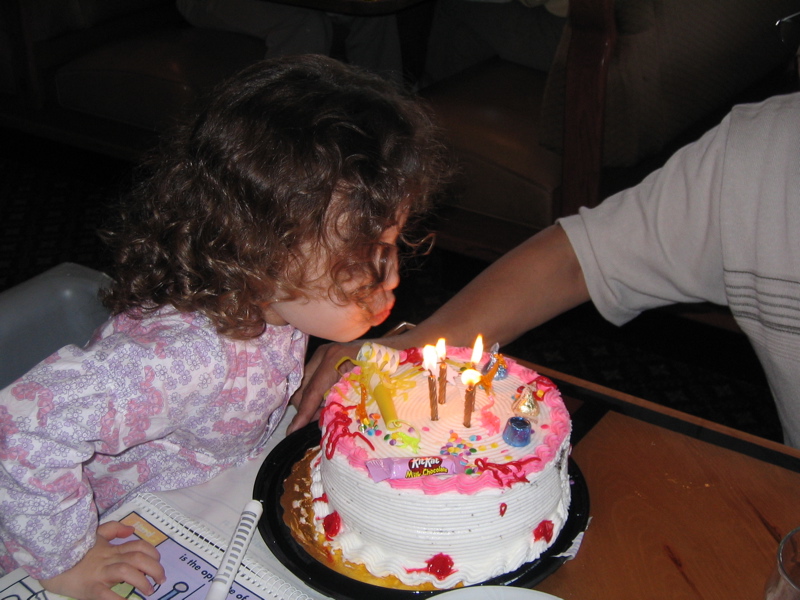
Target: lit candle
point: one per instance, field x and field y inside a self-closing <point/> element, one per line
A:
<point x="477" y="352"/>
<point x="469" y="377"/>
<point x="429" y="364"/>
<point x="441" y="353"/>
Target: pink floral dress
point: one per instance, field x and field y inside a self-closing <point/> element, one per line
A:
<point x="150" y="405"/>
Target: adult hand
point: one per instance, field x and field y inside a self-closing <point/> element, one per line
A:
<point x="320" y="374"/>
<point x="107" y="565"/>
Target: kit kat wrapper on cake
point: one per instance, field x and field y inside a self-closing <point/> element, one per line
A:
<point x="412" y="467"/>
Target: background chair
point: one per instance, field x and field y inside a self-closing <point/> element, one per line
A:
<point x="105" y="75"/>
<point x="631" y="81"/>
<point x="47" y="312"/>
<point x="110" y="75"/>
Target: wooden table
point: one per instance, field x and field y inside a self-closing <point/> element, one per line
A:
<point x="680" y="507"/>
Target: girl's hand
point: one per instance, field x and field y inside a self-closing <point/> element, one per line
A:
<point x="106" y="565"/>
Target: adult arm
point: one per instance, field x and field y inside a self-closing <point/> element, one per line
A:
<point x="533" y="283"/>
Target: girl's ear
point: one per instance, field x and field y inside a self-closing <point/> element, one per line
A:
<point x="271" y="316"/>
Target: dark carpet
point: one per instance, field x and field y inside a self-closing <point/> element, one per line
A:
<point x="53" y="198"/>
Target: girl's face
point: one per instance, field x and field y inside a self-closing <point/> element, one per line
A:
<point x="323" y="317"/>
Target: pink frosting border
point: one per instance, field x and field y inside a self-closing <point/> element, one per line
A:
<point x="353" y="448"/>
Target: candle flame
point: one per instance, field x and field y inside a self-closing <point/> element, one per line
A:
<point x="441" y="349"/>
<point x="477" y="350"/>
<point x="470" y="377"/>
<point x="429" y="357"/>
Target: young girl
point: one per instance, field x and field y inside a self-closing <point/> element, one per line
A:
<point x="272" y="217"/>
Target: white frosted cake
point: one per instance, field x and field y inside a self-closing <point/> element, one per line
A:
<point x="396" y="498"/>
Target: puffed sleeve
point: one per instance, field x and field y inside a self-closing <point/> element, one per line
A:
<point x="47" y="513"/>
<point x="65" y="431"/>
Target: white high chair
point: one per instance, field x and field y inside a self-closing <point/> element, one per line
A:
<point x="47" y="312"/>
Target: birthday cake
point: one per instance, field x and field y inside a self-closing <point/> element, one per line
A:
<point x="431" y="476"/>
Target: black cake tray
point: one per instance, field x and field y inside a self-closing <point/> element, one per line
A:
<point x="269" y="489"/>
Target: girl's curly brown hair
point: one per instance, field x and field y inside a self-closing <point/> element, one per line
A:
<point x="293" y="155"/>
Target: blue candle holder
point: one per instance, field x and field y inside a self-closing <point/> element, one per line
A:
<point x="517" y="432"/>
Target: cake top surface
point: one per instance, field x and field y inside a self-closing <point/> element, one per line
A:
<point x="382" y="409"/>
